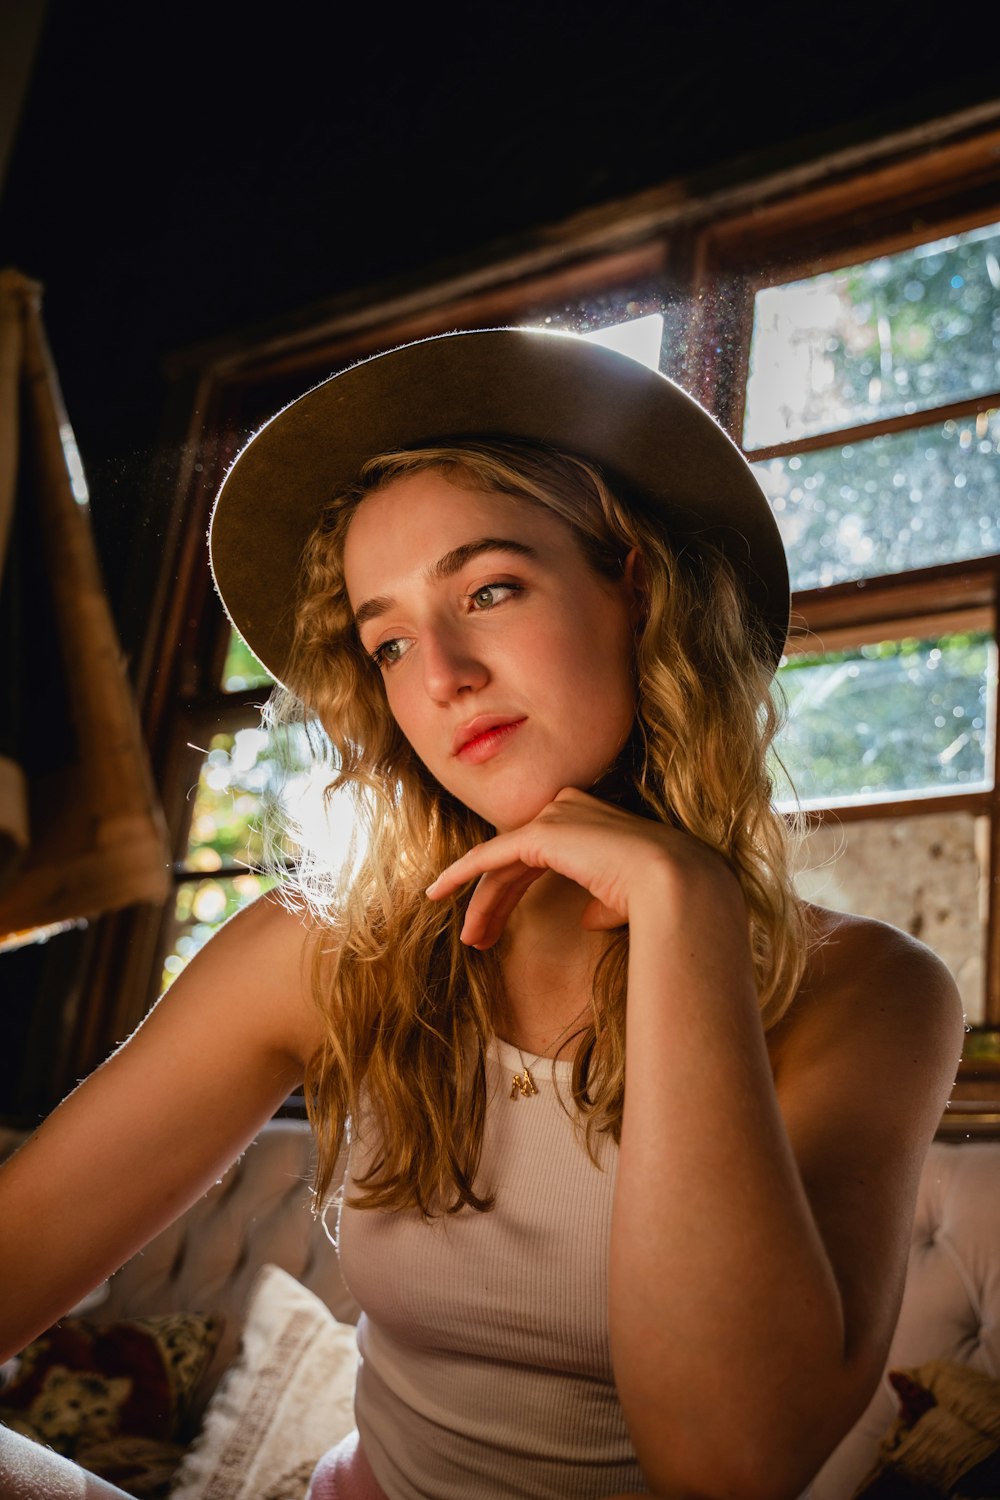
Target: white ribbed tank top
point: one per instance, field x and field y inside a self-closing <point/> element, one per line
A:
<point x="485" y="1369"/>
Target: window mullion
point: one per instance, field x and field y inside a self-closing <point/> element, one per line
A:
<point x="864" y="431"/>
<point x="904" y="805"/>
<point x="992" y="998"/>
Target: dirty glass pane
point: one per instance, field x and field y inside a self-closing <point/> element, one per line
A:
<point x="225" y="824"/>
<point x="200" y="909"/>
<point x="925" y="874"/>
<point x="639" y="338"/>
<point x="242" y="669"/>
<point x="250" y="774"/>
<point x="602" y="313"/>
<point x="245" y="778"/>
<point x="903" y="500"/>
<point x="897" y="334"/>
<point x="889" y="718"/>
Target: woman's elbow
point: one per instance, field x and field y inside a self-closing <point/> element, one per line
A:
<point x="762" y="1455"/>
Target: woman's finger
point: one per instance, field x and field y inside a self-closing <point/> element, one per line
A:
<point x="490" y="858"/>
<point x="574" y="835"/>
<point x="493" y="900"/>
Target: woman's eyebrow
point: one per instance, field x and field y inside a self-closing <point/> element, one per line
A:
<point x="446" y="567"/>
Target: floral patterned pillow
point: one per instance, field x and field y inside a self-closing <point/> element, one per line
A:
<point x="112" y="1397"/>
<point x="946" y="1443"/>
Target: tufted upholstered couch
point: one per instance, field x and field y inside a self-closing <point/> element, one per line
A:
<point x="951" y="1305"/>
<point x="259" y="1213"/>
<point x="206" y="1261"/>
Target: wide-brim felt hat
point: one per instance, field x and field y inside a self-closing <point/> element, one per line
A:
<point x="656" y="446"/>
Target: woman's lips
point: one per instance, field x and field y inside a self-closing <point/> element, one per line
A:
<point x="488" y="743"/>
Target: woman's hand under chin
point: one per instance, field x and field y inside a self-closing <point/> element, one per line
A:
<point x="620" y="858"/>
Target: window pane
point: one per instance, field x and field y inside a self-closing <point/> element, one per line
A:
<point x="893" y="335"/>
<point x="903" y="500"/>
<point x="201" y="908"/>
<point x="898" y="716"/>
<point x="641" y="339"/>
<point x="924" y="874"/>
<point x="225" y="829"/>
<point x="242" y="669"/>
<point x="251" y="769"/>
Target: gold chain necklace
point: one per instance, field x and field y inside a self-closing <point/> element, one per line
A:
<point x="522" y="1084"/>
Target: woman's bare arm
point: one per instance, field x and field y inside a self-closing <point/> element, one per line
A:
<point x="762" y="1222"/>
<point x="147" y="1133"/>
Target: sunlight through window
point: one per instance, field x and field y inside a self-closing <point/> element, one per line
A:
<point x="640" y="339"/>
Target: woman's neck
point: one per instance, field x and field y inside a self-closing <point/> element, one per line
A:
<point x="548" y="965"/>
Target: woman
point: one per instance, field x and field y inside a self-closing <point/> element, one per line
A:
<point x="633" y="1150"/>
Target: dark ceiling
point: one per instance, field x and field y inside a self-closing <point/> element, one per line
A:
<point x="181" y="173"/>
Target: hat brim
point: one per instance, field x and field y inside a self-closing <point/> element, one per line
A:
<point x="652" y="441"/>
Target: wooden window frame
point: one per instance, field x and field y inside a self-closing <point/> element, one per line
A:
<point x="905" y="203"/>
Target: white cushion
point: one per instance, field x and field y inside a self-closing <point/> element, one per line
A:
<point x="288" y="1397"/>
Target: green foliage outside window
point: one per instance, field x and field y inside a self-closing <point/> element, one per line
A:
<point x="200" y="909"/>
<point x="242" y="669"/>
<point x="897" y="501"/>
<point x="890" y="718"/>
<point x="244" y="777"/>
<point x="238" y="771"/>
<point x="898" y="334"/>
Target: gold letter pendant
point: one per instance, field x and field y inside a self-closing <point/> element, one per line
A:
<point x="523" y="1084"/>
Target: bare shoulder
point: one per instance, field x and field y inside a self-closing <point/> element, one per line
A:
<point x="261" y="962"/>
<point x="874" y="1032"/>
<point x="865" y="981"/>
<point x="843" y="938"/>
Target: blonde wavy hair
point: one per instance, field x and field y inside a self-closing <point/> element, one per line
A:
<point x="408" y="1010"/>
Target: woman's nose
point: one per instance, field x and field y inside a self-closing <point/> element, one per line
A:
<point x="451" y="665"/>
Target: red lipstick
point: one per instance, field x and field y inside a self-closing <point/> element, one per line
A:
<point x="482" y="737"/>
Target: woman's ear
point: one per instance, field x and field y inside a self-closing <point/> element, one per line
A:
<point x="634" y="578"/>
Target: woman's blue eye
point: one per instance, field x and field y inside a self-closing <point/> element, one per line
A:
<point x="484" y="598"/>
<point x="386" y="654"/>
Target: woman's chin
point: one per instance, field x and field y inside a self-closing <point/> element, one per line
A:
<point x="508" y="807"/>
<point x="510" y="800"/>
<point x="519" y="807"/>
<point x="507" y="816"/>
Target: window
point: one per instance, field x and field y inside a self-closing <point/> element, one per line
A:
<point x="856" y="357"/>
<point x="889" y="371"/>
<point x="872" y="417"/>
